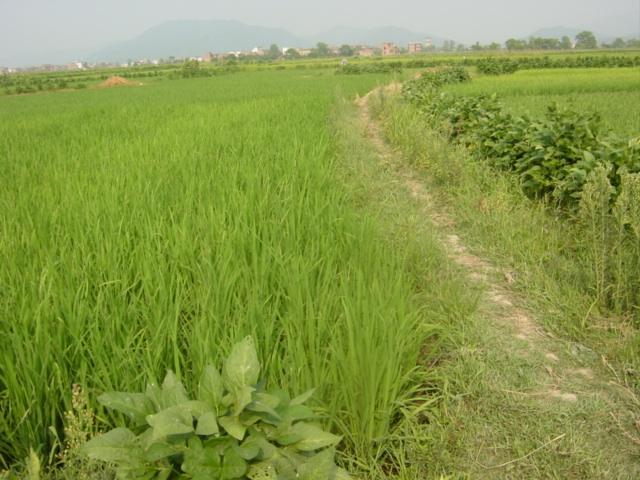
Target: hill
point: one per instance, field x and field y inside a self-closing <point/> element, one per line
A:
<point x="185" y="38"/>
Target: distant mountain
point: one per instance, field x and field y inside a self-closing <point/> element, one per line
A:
<point x="557" y="32"/>
<point x="186" y="38"/>
<point x="371" y="36"/>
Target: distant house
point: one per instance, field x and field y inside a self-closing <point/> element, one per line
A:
<point x="76" y="66"/>
<point x="304" y="52"/>
<point x="259" y="52"/>
<point x="389" y="48"/>
<point x="414" y="47"/>
<point x="208" y="57"/>
<point x="366" y="52"/>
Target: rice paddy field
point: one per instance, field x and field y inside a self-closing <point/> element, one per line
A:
<point x="613" y="93"/>
<point x="149" y="228"/>
<point x="153" y="225"/>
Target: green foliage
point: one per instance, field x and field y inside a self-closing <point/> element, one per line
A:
<point x="190" y="68"/>
<point x="321" y="50"/>
<point x="495" y="66"/>
<point x="553" y="156"/>
<point x="233" y="429"/>
<point x="586" y="40"/>
<point x="162" y="251"/>
<point x="506" y="65"/>
<point x="358" y="69"/>
<point x="566" y="157"/>
<point x="346" y="51"/>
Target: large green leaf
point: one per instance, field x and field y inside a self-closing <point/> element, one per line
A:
<point x="312" y="437"/>
<point x="300" y="399"/>
<point x="249" y="449"/>
<point x="265" y="403"/>
<point x="241" y="367"/>
<point x="160" y="450"/>
<point x="210" y="389"/>
<point x="319" y="467"/>
<point x="207" y="424"/>
<point x="242" y="396"/>
<point x="136" y="406"/>
<point x="173" y="392"/>
<point x="176" y="420"/>
<point x="233" y="426"/>
<point x="116" y="446"/>
<point x="262" y="471"/>
<point x="233" y="465"/>
<point x="203" y="463"/>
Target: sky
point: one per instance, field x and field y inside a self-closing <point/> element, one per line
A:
<point x="56" y="27"/>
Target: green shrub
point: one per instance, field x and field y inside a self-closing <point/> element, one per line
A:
<point x="553" y="156"/>
<point x="233" y="430"/>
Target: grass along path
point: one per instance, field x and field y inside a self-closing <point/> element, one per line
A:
<point x="521" y="403"/>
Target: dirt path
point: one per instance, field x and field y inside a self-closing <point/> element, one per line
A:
<point x="559" y="379"/>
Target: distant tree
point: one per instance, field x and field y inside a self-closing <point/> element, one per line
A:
<point x="292" y="53"/>
<point x="633" y="43"/>
<point x="515" y="44"/>
<point x="322" y="50"/>
<point x="618" y="43"/>
<point x="190" y="68"/>
<point x="566" y="43"/>
<point x="476" y="47"/>
<point x="346" y="51"/>
<point x="274" y="51"/>
<point x="540" y="43"/>
<point x="586" y="40"/>
<point x="494" y="46"/>
<point x="460" y="47"/>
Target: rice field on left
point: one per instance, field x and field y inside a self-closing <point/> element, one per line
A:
<point x="150" y="228"/>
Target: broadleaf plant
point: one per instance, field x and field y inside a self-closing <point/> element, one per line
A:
<point x="234" y="429"/>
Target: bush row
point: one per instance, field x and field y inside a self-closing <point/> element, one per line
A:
<point x="553" y="156"/>
<point x="357" y="69"/>
<point x="498" y="66"/>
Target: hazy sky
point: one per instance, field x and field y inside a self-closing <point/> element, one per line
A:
<point x="27" y="26"/>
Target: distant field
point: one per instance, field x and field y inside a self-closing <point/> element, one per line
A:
<point x="614" y="93"/>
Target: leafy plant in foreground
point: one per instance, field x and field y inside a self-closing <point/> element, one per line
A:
<point x="233" y="430"/>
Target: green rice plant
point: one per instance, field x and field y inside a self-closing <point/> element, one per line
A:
<point x="595" y="217"/>
<point x="626" y="251"/>
<point x="149" y="229"/>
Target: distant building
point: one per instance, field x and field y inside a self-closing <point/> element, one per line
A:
<point x="428" y="43"/>
<point x="257" y="51"/>
<point x="305" y="52"/>
<point x="76" y="66"/>
<point x="366" y="52"/>
<point x="389" y="49"/>
<point x="414" y="47"/>
<point x="208" y="57"/>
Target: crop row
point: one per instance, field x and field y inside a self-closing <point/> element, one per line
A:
<point x="553" y="156"/>
<point x="498" y="66"/>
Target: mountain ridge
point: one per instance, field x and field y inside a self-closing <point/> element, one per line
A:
<point x="184" y="38"/>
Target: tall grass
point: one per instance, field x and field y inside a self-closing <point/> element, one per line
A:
<point x="149" y="228"/>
